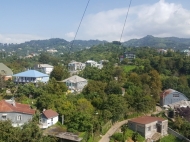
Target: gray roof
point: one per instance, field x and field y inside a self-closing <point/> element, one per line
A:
<point x="4" y="70"/>
<point x="74" y="79"/>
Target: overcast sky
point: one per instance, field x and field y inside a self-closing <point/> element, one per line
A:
<point x="24" y="20"/>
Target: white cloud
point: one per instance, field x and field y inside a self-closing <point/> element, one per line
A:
<point x="18" y="38"/>
<point x="160" y="19"/>
<point x="70" y="34"/>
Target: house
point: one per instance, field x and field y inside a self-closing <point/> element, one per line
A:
<point x="75" y="83"/>
<point x="149" y="126"/>
<point x="45" y="68"/>
<point x="127" y="55"/>
<point x="74" y="66"/>
<point x="5" y="72"/>
<point x="92" y="63"/>
<point x="171" y="96"/>
<point x="162" y="51"/>
<point x="16" y="112"/>
<point x="48" y="118"/>
<point x="31" y="76"/>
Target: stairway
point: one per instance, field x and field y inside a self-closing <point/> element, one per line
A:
<point x="156" y="136"/>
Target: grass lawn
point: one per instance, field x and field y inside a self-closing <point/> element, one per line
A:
<point x="170" y="138"/>
<point x="128" y="68"/>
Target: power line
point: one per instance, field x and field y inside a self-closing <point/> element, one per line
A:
<point x="79" y="25"/>
<point x="125" y="20"/>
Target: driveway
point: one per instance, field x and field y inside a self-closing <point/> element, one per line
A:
<point x="111" y="131"/>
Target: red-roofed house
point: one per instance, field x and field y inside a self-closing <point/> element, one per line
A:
<point x="148" y="126"/>
<point x="48" y="118"/>
<point x="16" y="112"/>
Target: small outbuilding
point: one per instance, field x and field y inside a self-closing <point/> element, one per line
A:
<point x="48" y="118"/>
<point x="171" y="96"/>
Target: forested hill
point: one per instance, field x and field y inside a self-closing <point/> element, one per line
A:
<point x="166" y="42"/>
<point x="54" y="43"/>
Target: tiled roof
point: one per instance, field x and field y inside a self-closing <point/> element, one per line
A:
<point x="50" y="113"/>
<point x="74" y="79"/>
<point x="146" y="119"/>
<point x="31" y="73"/>
<point x="6" y="106"/>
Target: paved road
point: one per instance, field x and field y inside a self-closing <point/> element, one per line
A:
<point x="111" y="131"/>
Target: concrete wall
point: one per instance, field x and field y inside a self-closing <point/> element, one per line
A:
<point x="176" y="134"/>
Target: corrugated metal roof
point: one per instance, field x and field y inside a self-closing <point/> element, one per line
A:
<point x="4" y="70"/>
<point x="146" y="119"/>
<point x="31" y="73"/>
<point x="74" y="79"/>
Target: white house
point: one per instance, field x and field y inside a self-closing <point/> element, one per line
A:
<point x="16" y="112"/>
<point x="48" y="118"/>
<point x="76" y="66"/>
<point x="75" y="83"/>
<point x="92" y="63"/>
<point x="45" y="68"/>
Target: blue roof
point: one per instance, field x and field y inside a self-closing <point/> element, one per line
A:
<point x="31" y="73"/>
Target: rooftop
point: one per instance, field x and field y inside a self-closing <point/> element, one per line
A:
<point x="4" y="70"/>
<point x="12" y="106"/>
<point x="74" y="79"/>
<point x="45" y="66"/>
<point x="50" y="113"/>
<point x="146" y="119"/>
<point x="31" y="73"/>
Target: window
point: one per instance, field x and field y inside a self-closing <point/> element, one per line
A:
<point x="149" y="128"/>
<point x="19" y="117"/>
<point x="175" y="95"/>
<point x="4" y="116"/>
<point x="51" y="119"/>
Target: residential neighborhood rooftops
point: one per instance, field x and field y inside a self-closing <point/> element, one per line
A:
<point x="12" y="106"/>
<point x="74" y="79"/>
<point x="31" y="73"/>
<point x="4" y="70"/>
<point x="146" y="119"/>
<point x="50" y="113"/>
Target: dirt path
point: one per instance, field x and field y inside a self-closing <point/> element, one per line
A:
<point x="111" y="131"/>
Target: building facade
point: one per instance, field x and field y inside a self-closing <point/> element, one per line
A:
<point x="148" y="126"/>
<point x="171" y="96"/>
<point x="31" y="76"/>
<point x="48" y="118"/>
<point x="75" y="83"/>
<point x="16" y="112"/>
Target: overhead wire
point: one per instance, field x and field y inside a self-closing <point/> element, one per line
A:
<point x="125" y="20"/>
<point x="72" y="43"/>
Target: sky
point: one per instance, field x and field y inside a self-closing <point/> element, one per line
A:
<point x="24" y="20"/>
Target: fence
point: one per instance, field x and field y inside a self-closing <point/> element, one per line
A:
<point x="170" y="131"/>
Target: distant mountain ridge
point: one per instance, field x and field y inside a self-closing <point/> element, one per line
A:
<point x="159" y="42"/>
<point x="62" y="46"/>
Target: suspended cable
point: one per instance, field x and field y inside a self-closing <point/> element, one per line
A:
<point x="79" y="25"/>
<point x="125" y="21"/>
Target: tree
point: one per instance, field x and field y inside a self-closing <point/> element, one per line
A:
<point x="59" y="73"/>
